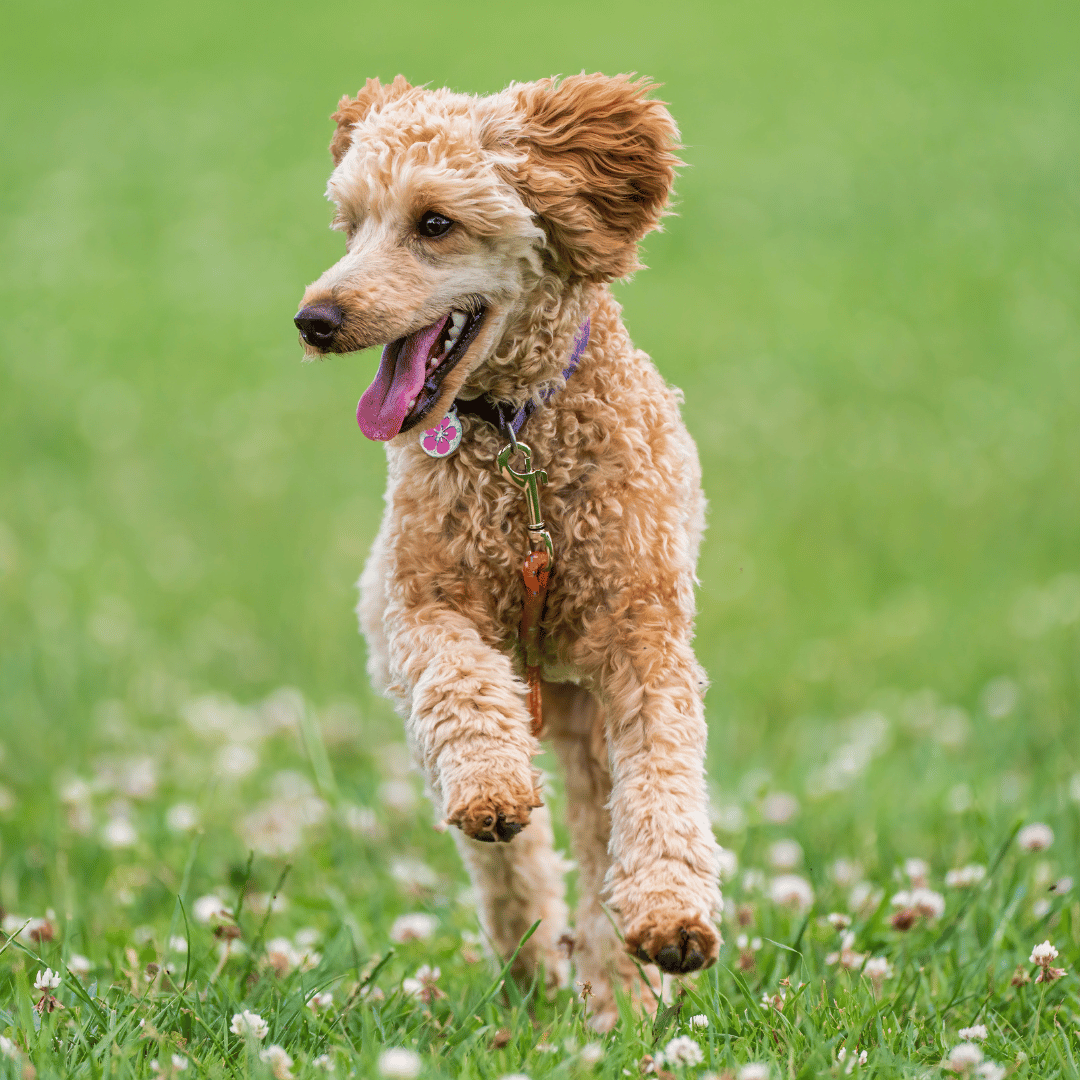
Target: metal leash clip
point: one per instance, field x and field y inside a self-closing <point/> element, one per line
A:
<point x="529" y="482"/>
<point x="534" y="573"/>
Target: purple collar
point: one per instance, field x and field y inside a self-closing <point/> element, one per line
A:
<point x="497" y="413"/>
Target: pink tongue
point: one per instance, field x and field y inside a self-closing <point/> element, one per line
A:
<point x="382" y="409"/>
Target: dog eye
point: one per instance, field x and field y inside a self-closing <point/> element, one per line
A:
<point x="432" y="225"/>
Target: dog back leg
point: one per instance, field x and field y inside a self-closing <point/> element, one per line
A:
<point x="516" y="884"/>
<point x="574" y="720"/>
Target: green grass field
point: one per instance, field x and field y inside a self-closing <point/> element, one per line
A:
<point x="871" y="297"/>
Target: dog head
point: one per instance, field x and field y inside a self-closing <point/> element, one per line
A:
<point x="455" y="209"/>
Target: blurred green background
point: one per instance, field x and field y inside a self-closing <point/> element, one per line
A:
<point x="870" y="296"/>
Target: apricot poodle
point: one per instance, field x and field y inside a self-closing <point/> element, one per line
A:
<point x="481" y="236"/>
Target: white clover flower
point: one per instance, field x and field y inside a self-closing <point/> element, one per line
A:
<point x="398" y="795"/>
<point x="727" y="863"/>
<point x="36" y="930"/>
<point x="779" y="808"/>
<point x="755" y="1070"/>
<point x="261" y="903"/>
<point x="361" y="821"/>
<point x="309" y="959"/>
<point x="274" y="828"/>
<point x="964" y="877"/>
<point x="424" y="984"/>
<point x="921" y="902"/>
<point x="1043" y="954"/>
<point x="989" y="1070"/>
<point x="682" y="1051"/>
<point x="791" y="890"/>
<point x="7" y="1048"/>
<point x="417" y="926"/>
<point x="320" y="1001"/>
<point x="119" y="833"/>
<point x="846" y="956"/>
<point x="323" y="1061"/>
<point x="591" y="1053"/>
<point x="698" y="1020"/>
<point x="845" y="873"/>
<point x="964" y="1057"/>
<point x="413" y="873"/>
<point x="49" y="980"/>
<point x="753" y="881"/>
<point x="282" y="956"/>
<point x="731" y="819"/>
<point x="864" y="897"/>
<point x="1035" y="837"/>
<point x="79" y="965"/>
<point x="251" y="1024"/>
<point x="236" y="761"/>
<point x="785" y="854"/>
<point x="179" y="1062"/>
<point x="918" y="870"/>
<point x="208" y="909"/>
<point x="398" y="1063"/>
<point x="976" y="1031"/>
<point x="877" y="969"/>
<point x="279" y="1061"/>
<point x="178" y="944"/>
<point x="307" y="937"/>
<point x="929" y="904"/>
<point x="838" y="920"/>
<point x="999" y="697"/>
<point x="181" y="818"/>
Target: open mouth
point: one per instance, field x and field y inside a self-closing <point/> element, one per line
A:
<point x="411" y="373"/>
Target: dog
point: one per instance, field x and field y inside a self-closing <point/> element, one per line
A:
<point x="482" y="235"/>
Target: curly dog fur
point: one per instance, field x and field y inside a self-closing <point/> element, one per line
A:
<point x="548" y="187"/>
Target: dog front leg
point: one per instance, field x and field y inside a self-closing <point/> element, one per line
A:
<point x="664" y="874"/>
<point x="467" y="723"/>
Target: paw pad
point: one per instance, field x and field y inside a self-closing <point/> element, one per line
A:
<point x="677" y="949"/>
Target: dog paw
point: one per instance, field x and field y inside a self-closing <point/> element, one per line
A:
<point x="491" y="819"/>
<point x="674" y="944"/>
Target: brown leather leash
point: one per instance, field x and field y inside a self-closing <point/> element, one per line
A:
<point x="535" y="572"/>
<point x="443" y="440"/>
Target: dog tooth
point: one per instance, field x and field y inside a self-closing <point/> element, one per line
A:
<point x="446" y="345"/>
<point x="458" y="319"/>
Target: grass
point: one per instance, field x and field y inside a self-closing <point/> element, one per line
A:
<point x="870" y="295"/>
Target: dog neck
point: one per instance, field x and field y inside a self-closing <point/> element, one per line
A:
<point x="503" y="415"/>
<point x="533" y="351"/>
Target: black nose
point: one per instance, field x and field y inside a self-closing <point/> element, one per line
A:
<point x="319" y="324"/>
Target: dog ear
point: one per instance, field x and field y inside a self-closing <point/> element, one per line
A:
<point x="351" y="111"/>
<point x="599" y="165"/>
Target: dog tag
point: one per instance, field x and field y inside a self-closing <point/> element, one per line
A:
<point x="444" y="438"/>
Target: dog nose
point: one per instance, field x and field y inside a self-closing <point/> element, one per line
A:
<point x="319" y="323"/>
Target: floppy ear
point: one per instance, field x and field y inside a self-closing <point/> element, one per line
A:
<point x="351" y="111"/>
<point x="599" y="165"/>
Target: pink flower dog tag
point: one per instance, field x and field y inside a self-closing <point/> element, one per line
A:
<point x="444" y="438"/>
